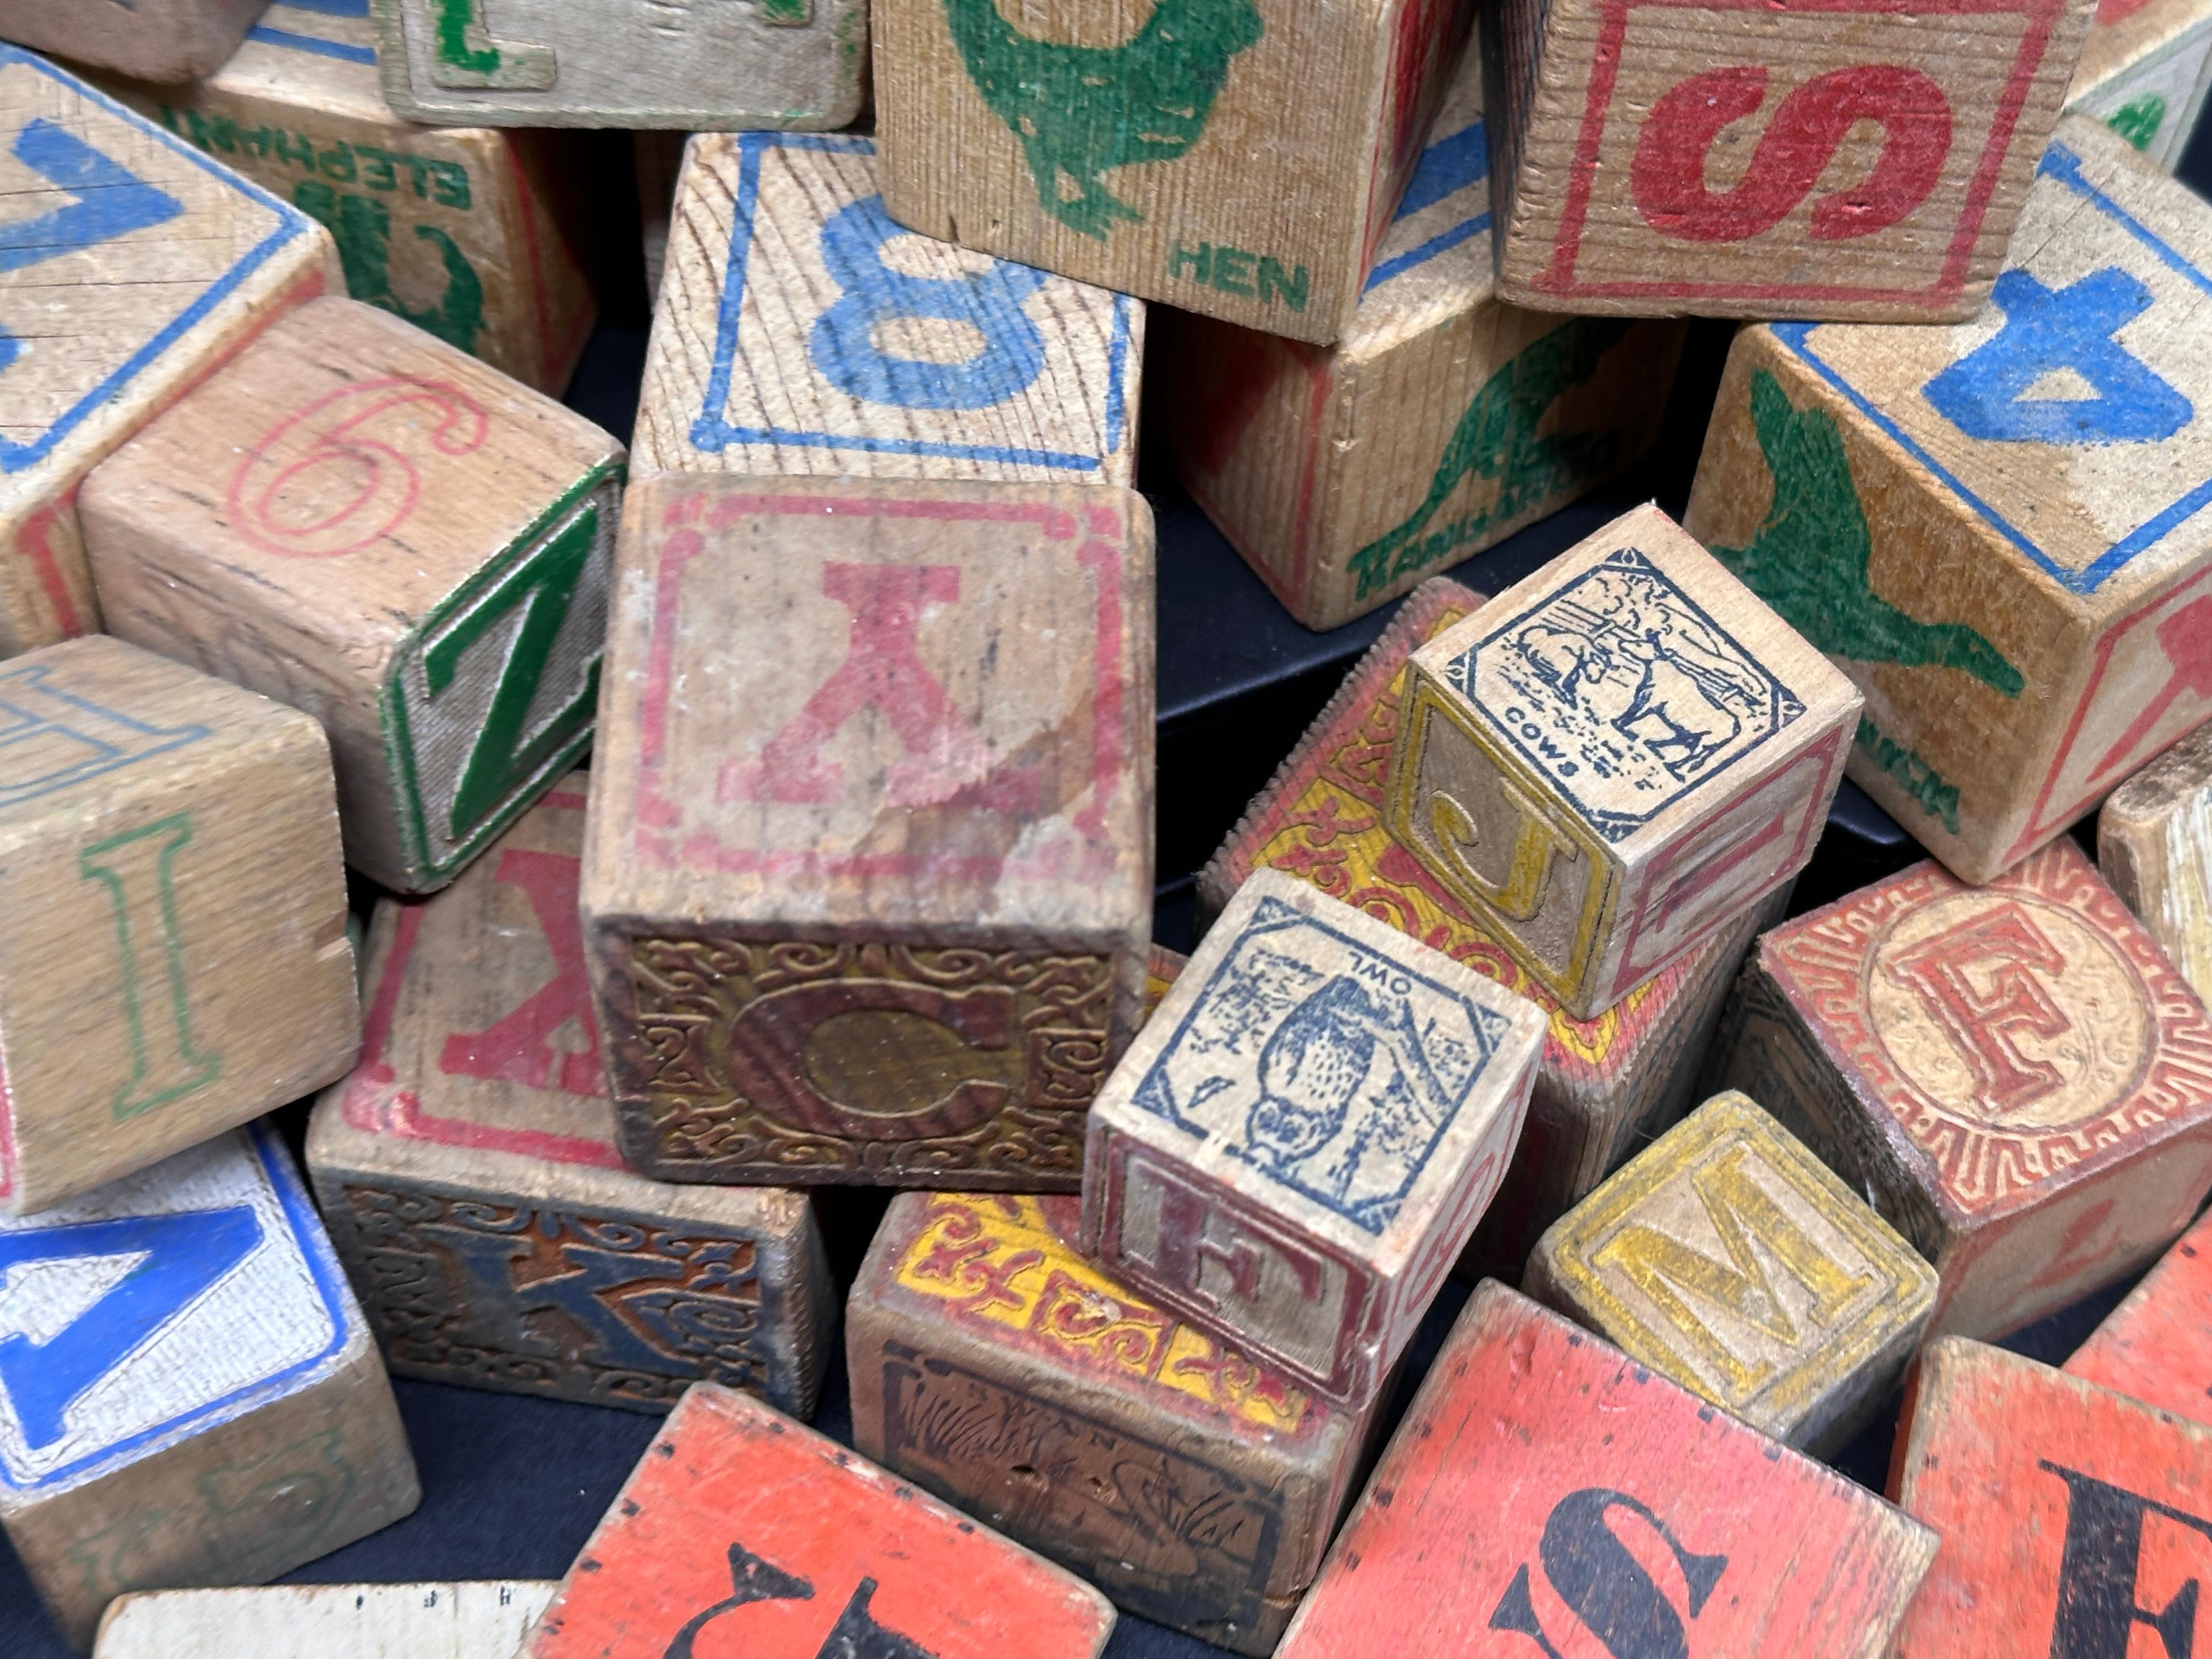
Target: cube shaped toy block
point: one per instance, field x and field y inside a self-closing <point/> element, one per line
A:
<point x="2072" y="1518"/>
<point x="361" y="521"/>
<point x="1729" y="1258"/>
<point x="1295" y="1149"/>
<point x="455" y="231"/>
<point x="174" y="960"/>
<point x="2145" y="72"/>
<point x="1237" y="158"/>
<point x="2155" y="845"/>
<point x="468" y="1173"/>
<point x="138" y="265"/>
<point x="1862" y="159"/>
<point x="1620" y="756"/>
<point x="200" y="1399"/>
<point x="637" y="64"/>
<point x="1346" y="475"/>
<point x="744" y="1531"/>
<point x="1587" y="1505"/>
<point x="154" y="39"/>
<point x="1162" y="968"/>
<point x="867" y="882"/>
<point x="805" y="332"/>
<point x="335" y="1621"/>
<point x="2016" y="577"/>
<point x="2014" y="1074"/>
<point x="2157" y="1346"/>
<point x="1196" y="1487"/>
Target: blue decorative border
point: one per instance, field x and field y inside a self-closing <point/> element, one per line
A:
<point x="712" y="433"/>
<point x="2064" y="165"/>
<point x="291" y="222"/>
<point x="1426" y="188"/>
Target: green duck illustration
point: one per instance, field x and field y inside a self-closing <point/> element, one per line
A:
<point x="1080" y="112"/>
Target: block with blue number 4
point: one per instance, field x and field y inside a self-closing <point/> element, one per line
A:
<point x="800" y="330"/>
<point x="188" y="1392"/>
<point x="2001" y="528"/>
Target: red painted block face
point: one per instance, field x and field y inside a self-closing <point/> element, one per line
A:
<point x="744" y="1535"/>
<point x="2157" y="1345"/>
<point x="1548" y="1499"/>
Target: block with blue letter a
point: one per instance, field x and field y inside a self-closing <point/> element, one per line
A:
<point x="188" y="1392"/>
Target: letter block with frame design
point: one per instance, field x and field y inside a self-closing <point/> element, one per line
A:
<point x="189" y="1394"/>
<point x="362" y="521"/>
<point x="1297" y="1146"/>
<point x="2014" y="1074"/>
<point x="2145" y="73"/>
<point x="1585" y="1504"/>
<point x="2157" y="1346"/>
<point x="468" y="1173"/>
<point x="1999" y="529"/>
<point x="742" y="1531"/>
<point x="154" y="39"/>
<point x="867" y="878"/>
<point x="993" y="1364"/>
<point x="2155" y="845"/>
<point x="468" y="1620"/>
<point x="1616" y="758"/>
<point x="1729" y="1258"/>
<point x="174" y="959"/>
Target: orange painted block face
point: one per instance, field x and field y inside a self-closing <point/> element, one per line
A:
<point x="743" y="1535"/>
<point x="2156" y="1346"/>
<point x="1547" y="1496"/>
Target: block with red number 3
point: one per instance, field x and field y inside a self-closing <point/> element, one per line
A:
<point x="2157" y="1345"/>
<point x="1546" y="1495"/>
<point x="742" y="1532"/>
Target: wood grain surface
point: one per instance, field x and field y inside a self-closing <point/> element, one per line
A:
<point x="2157" y="1346"/>
<point x="158" y="40"/>
<point x="2144" y="72"/>
<point x="2155" y="845"/>
<point x="330" y="1621"/>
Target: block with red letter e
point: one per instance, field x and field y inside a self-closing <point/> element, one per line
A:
<point x="2157" y="1345"/>
<point x="867" y="883"/>
<point x="1295" y="1149"/>
<point x="2014" y="1074"/>
<point x="1569" y="1501"/>
<point x="468" y="1172"/>
<point x="741" y="1531"/>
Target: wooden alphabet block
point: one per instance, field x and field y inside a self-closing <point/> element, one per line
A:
<point x="1620" y="756"/>
<point x="993" y="1364"/>
<point x="745" y="1529"/>
<point x="799" y="65"/>
<point x="136" y="267"/>
<point x="1346" y="475"/>
<point x="193" y="1396"/>
<point x="2157" y="1346"/>
<point x="1986" y="525"/>
<point x="153" y="40"/>
<point x="1602" y="1509"/>
<point x="657" y="159"/>
<point x="329" y="1621"/>
<point x="2155" y="845"/>
<point x="867" y="881"/>
<point x="2069" y="1515"/>
<point x="1726" y="1257"/>
<point x="1296" y="1147"/>
<point x="1237" y="158"/>
<point x="1863" y="159"/>
<point x="174" y="960"/>
<point x="2014" y="1074"/>
<point x="455" y="231"/>
<point x="2145" y="72"/>
<point x="356" y="519"/>
<point x="805" y="332"/>
<point x="468" y="1173"/>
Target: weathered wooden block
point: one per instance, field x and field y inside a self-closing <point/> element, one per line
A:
<point x="805" y="332"/>
<point x="1239" y="159"/>
<point x="2014" y="1075"/>
<point x="1620" y="756"/>
<point x="2155" y="845"/>
<point x="174" y="959"/>
<point x="1726" y="1257"/>
<point x="1296" y="1147"/>
<point x="1986" y="525"/>
<point x="193" y="1396"/>
<point x="1603" y="1510"/>
<point x="2144" y="72"/>
<point x="789" y="63"/>
<point x="657" y="160"/>
<point x="137" y="265"/>
<point x="468" y="1174"/>
<point x="743" y="1528"/>
<point x="358" y="519"/>
<point x="1603" y="1085"/>
<point x="1864" y="159"/>
<point x="1346" y="475"/>
<point x="455" y="231"/>
<point x="867" y="881"/>
<point x="1163" y="967"/>
<point x="331" y="1621"/>
<point x="2069" y="1515"/>
<point x="2157" y="1346"/>
<point x="154" y="39"/>
<point x="993" y="1364"/>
